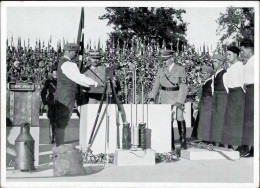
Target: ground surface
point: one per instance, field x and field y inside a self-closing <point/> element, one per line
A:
<point x="207" y="171"/>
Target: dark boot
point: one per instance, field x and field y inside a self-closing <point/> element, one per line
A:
<point x="52" y="134"/>
<point x="179" y="129"/>
<point x="173" y="144"/>
<point x="182" y="131"/>
<point x="59" y="136"/>
<point x="172" y="131"/>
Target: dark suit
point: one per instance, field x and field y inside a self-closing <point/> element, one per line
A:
<point x="47" y="95"/>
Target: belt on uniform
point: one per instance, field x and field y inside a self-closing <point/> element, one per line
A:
<point x="176" y="88"/>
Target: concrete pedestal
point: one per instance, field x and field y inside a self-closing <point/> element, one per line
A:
<point x="203" y="154"/>
<point x="134" y="158"/>
<point x="159" y="125"/>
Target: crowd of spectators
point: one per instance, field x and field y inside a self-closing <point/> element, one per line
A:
<point x="34" y="65"/>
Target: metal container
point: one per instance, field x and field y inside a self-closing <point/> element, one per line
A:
<point x="126" y="138"/>
<point x="24" y="147"/>
<point x="142" y="135"/>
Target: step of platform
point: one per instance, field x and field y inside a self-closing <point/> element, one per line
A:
<point x="204" y="154"/>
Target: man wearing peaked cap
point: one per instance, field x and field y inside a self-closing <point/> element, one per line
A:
<point x="68" y="77"/>
<point x="234" y="116"/>
<point x="170" y="82"/>
<point x="95" y="54"/>
<point x="166" y="54"/>
<point x="247" y="52"/>
<point x="71" y="47"/>
<point x="97" y="72"/>
<point x="205" y="106"/>
<point x="220" y="97"/>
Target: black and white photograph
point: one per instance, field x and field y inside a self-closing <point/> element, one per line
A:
<point x="130" y="94"/>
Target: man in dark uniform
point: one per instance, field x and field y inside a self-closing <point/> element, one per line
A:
<point x="171" y="82"/>
<point x="68" y="76"/>
<point x="97" y="72"/>
<point x="47" y="95"/>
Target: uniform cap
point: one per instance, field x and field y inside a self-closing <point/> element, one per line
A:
<point x="218" y="57"/>
<point x="95" y="54"/>
<point x="71" y="47"/>
<point x="206" y="68"/>
<point x="166" y="54"/>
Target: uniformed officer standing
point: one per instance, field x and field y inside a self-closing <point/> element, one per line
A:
<point x="247" y="52"/>
<point x="96" y="71"/>
<point x="220" y="96"/>
<point x="171" y="82"/>
<point x="234" y="116"/>
<point x="68" y="76"/>
<point x="205" y="106"/>
<point x="47" y="95"/>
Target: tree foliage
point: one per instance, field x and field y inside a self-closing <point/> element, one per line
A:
<point x="235" y="24"/>
<point x="161" y="24"/>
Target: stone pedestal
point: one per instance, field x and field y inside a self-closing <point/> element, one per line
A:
<point x="203" y="154"/>
<point x="134" y="158"/>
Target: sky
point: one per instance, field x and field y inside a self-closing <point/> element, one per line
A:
<point x="58" y="22"/>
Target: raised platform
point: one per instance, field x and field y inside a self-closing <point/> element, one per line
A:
<point x="134" y="158"/>
<point x="203" y="154"/>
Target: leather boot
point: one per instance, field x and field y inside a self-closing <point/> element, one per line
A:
<point x="59" y="136"/>
<point x="172" y="131"/>
<point x="179" y="129"/>
<point x="173" y="144"/>
<point x="52" y="133"/>
<point x="182" y="132"/>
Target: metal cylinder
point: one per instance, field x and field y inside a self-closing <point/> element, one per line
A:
<point x="24" y="147"/>
<point x="142" y="135"/>
<point x="126" y="138"/>
<point x="134" y="137"/>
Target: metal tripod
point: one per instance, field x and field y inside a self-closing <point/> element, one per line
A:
<point x="109" y="92"/>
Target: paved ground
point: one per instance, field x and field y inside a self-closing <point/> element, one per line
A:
<point x="207" y="171"/>
<point x="182" y="171"/>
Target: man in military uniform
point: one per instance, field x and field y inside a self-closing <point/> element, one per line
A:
<point x="68" y="76"/>
<point x="97" y="72"/>
<point x="47" y="95"/>
<point x="171" y="82"/>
